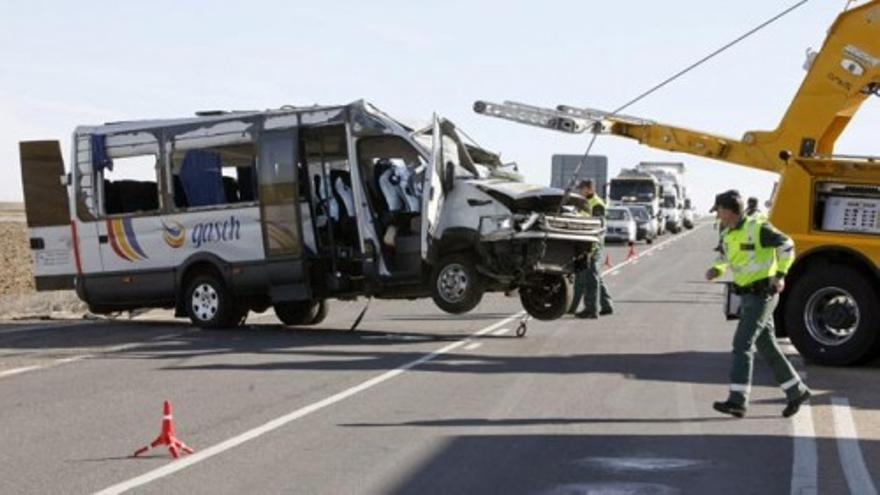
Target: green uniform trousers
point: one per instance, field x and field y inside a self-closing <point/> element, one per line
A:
<point x="756" y="330"/>
<point x="588" y="284"/>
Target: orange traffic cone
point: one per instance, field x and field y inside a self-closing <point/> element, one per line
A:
<point x="608" y="261"/>
<point x="632" y="251"/>
<point x="167" y="437"/>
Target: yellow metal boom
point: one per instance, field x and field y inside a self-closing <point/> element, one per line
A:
<point x="844" y="73"/>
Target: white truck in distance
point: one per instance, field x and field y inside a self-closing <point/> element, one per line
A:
<point x="670" y="175"/>
<point x="633" y="187"/>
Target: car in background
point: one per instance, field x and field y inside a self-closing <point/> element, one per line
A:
<point x="646" y="227"/>
<point x="620" y="227"/>
<point x="688" y="214"/>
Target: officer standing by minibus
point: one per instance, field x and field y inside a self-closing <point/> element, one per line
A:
<point x="589" y="281"/>
<point x="759" y="256"/>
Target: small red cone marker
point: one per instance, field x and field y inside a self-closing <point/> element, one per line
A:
<point x="167" y="437"/>
<point x="608" y="261"/>
<point x="632" y="251"/>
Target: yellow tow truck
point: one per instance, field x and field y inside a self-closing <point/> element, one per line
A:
<point x="829" y="204"/>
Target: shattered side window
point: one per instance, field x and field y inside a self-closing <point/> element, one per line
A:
<point x="212" y="175"/>
<point x="131" y="185"/>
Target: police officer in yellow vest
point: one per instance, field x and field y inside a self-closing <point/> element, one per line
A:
<point x="759" y="256"/>
<point x="589" y="281"/>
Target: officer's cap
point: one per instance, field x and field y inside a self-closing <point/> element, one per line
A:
<point x="730" y="200"/>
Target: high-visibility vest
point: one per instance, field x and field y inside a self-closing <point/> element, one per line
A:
<point x="749" y="261"/>
<point x="758" y="215"/>
<point x="588" y="212"/>
<point x="593" y="202"/>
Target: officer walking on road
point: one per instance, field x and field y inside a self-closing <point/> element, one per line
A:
<point x="589" y="281"/>
<point x="759" y="256"/>
<point x="752" y="209"/>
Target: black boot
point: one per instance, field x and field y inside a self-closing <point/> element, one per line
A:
<point x="794" y="405"/>
<point x="727" y="407"/>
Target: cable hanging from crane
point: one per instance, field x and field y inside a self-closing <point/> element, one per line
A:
<point x="674" y="77"/>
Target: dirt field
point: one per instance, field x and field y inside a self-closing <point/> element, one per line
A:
<point x="18" y="299"/>
<point x="15" y="261"/>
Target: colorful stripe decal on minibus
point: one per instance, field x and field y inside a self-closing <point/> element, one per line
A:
<point x="123" y="240"/>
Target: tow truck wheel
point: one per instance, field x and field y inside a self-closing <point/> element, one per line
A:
<point x="209" y="304"/>
<point x="832" y="316"/>
<point x="300" y="313"/>
<point x="547" y="297"/>
<point x="456" y="286"/>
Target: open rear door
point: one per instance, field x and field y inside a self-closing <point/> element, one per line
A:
<point x="48" y="215"/>
<point x="432" y="190"/>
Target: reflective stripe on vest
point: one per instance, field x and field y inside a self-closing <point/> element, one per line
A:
<point x="749" y="261"/>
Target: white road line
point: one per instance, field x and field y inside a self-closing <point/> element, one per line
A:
<point x="858" y="478"/>
<point x="183" y="463"/>
<point x="72" y="359"/>
<point x="501" y="331"/>
<point x="805" y="459"/>
<point x="615" y="272"/>
<point x="472" y="346"/>
<point x="16" y="371"/>
<point x="80" y="357"/>
<point x="805" y="455"/>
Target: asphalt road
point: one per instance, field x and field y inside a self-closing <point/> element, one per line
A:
<point x="417" y="401"/>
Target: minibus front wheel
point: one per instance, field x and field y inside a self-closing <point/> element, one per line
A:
<point x="209" y="303"/>
<point x="546" y="296"/>
<point x="456" y="285"/>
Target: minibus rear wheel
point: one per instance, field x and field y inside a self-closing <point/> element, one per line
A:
<point x="299" y="313"/>
<point x="209" y="304"/>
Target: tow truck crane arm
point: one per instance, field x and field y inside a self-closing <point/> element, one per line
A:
<point x="840" y="77"/>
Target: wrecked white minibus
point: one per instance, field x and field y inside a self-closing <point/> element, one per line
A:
<point x="231" y="212"/>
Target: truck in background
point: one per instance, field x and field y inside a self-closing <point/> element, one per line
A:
<point x="594" y="167"/>
<point x="670" y="175"/>
<point x="634" y="187"/>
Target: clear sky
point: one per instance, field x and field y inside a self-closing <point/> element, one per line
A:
<point x="69" y="63"/>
